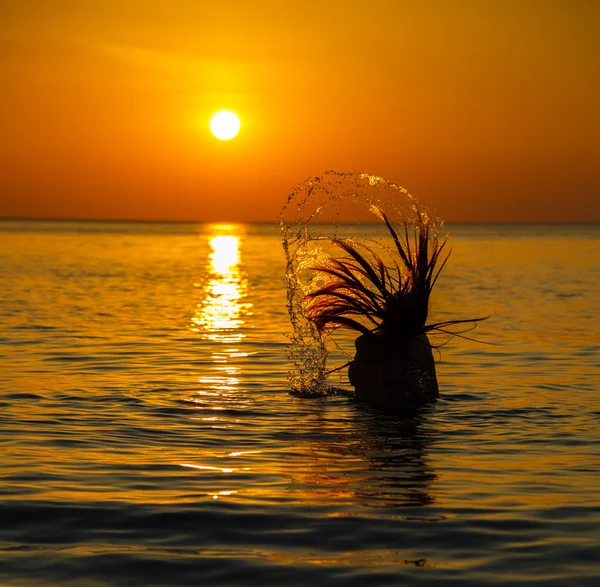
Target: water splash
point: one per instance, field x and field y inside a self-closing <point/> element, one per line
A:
<point x="318" y="212"/>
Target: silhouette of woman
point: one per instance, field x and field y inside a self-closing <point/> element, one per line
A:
<point x="388" y="305"/>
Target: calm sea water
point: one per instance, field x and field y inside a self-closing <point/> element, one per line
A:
<point x="148" y="437"/>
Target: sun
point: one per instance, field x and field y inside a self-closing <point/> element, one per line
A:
<point x="225" y="125"/>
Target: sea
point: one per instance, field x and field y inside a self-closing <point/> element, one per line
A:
<point x="148" y="435"/>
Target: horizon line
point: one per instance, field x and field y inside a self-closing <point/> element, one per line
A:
<point x="274" y="222"/>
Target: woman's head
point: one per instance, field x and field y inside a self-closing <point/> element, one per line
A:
<point x="366" y="294"/>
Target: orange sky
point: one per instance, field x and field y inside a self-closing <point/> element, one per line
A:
<point x="488" y="111"/>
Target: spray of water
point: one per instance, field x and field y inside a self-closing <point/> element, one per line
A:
<point x="318" y="213"/>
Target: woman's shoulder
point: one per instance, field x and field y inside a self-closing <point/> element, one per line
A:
<point x="375" y="344"/>
<point x="419" y="343"/>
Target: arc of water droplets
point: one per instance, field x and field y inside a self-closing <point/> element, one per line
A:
<point x="319" y="211"/>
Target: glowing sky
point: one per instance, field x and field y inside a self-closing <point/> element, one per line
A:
<point x="486" y="110"/>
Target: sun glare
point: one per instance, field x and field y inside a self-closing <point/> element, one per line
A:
<point x="225" y="125"/>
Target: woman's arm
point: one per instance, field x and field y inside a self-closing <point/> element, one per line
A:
<point x="367" y="370"/>
<point x="423" y="350"/>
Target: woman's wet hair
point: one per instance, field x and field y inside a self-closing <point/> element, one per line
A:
<point x="366" y="294"/>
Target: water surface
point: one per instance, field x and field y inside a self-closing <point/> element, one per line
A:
<point x="148" y="437"/>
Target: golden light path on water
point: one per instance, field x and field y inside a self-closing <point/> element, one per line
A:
<point x="220" y="318"/>
<point x="220" y="315"/>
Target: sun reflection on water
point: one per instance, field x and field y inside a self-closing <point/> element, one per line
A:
<point x="221" y="320"/>
<point x="220" y="316"/>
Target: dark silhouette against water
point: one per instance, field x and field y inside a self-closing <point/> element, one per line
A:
<point x="379" y="288"/>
